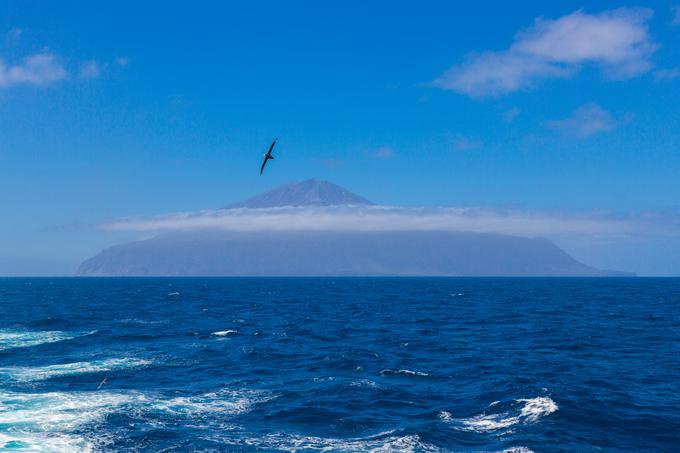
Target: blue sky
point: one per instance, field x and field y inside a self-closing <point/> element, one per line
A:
<point x="110" y="111"/>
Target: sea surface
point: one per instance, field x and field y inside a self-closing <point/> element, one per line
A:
<point x="340" y="364"/>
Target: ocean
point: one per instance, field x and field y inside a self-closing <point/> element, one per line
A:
<point x="340" y="364"/>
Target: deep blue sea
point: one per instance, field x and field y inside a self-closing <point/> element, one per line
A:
<point x="340" y="364"/>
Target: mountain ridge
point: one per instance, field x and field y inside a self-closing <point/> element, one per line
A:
<point x="310" y="192"/>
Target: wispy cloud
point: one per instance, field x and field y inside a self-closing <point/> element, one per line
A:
<point x="38" y="69"/>
<point x="585" y="121"/>
<point x="510" y="114"/>
<point x="384" y="152"/>
<point x="121" y="61"/>
<point x="90" y="70"/>
<point x="667" y="74"/>
<point x="617" y="41"/>
<point x="676" y="15"/>
<point x="390" y="218"/>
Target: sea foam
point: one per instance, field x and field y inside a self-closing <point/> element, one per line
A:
<point x="225" y="333"/>
<point x="403" y="372"/>
<point x="55" y="421"/>
<point x="50" y="421"/>
<point x="522" y="411"/>
<point x="19" y="338"/>
<point x="30" y="374"/>
<point x="382" y="442"/>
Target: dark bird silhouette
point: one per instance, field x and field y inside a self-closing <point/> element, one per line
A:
<point x="268" y="156"/>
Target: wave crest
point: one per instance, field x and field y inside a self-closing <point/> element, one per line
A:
<point x="530" y="411"/>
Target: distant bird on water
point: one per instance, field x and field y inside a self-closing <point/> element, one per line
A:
<point x="268" y="156"/>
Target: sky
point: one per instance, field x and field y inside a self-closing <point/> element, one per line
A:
<point x="554" y="110"/>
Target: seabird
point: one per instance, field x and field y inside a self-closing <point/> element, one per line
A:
<point x="268" y="156"/>
<point x="101" y="383"/>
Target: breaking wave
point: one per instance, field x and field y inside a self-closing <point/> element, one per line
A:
<point x="30" y="374"/>
<point x="20" y="338"/>
<point x="522" y="411"/>
<point x="389" y="372"/>
<point x="382" y="442"/>
<point x="54" y="421"/>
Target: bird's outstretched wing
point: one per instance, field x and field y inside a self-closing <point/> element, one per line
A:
<point x="272" y="146"/>
<point x="264" y="162"/>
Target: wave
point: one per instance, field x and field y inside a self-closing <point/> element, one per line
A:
<point x="21" y="338"/>
<point x="142" y="321"/>
<point x="224" y="333"/>
<point x="522" y="411"/>
<point x="364" y="383"/>
<point x="57" y="421"/>
<point x="382" y="442"/>
<point x="30" y="374"/>
<point x="389" y="372"/>
<point x="229" y="402"/>
<point x="51" y="421"/>
<point x="45" y="442"/>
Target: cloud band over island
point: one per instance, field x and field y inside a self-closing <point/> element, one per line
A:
<point x="393" y="218"/>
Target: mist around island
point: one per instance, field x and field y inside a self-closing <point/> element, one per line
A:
<point x="316" y="228"/>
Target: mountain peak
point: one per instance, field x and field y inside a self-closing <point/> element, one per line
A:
<point x="312" y="192"/>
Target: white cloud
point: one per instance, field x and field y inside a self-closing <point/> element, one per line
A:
<point x="121" y="61"/>
<point x="616" y="41"/>
<point x="585" y="121"/>
<point x="667" y="74"/>
<point x="390" y="218"/>
<point x="383" y="153"/>
<point x="676" y="15"/>
<point x="38" y="69"/>
<point x="90" y="70"/>
<point x="493" y="73"/>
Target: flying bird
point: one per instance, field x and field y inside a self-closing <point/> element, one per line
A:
<point x="268" y="156"/>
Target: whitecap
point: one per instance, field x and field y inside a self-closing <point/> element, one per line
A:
<point x="20" y="338"/>
<point x="531" y="411"/>
<point x="403" y="372"/>
<point x="445" y="416"/>
<point x="55" y="421"/>
<point x="142" y="321"/>
<point x="49" y="421"/>
<point x="364" y="383"/>
<point x="493" y="422"/>
<point x="225" y="333"/>
<point x="382" y="442"/>
<point x="536" y="408"/>
<point x="226" y="402"/>
<point x="30" y="374"/>
<point x="45" y="442"/>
